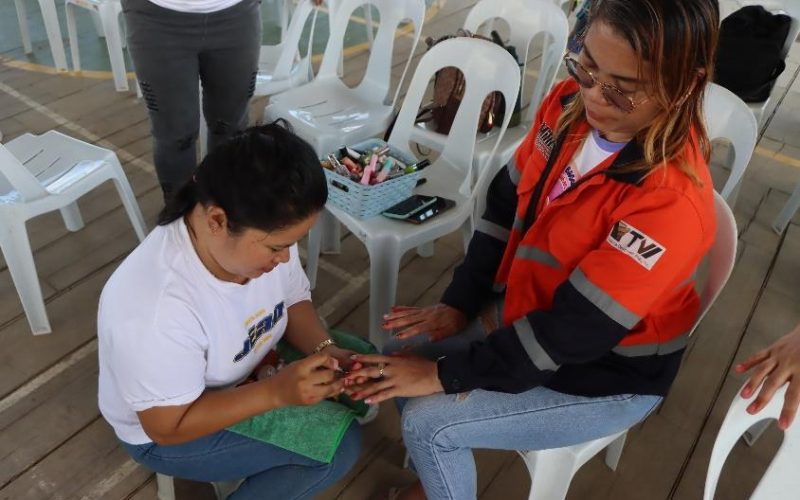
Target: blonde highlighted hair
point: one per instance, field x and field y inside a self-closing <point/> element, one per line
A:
<point x="678" y="39"/>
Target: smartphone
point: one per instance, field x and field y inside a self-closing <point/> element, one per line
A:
<point x="409" y="206"/>
<point x="441" y="205"/>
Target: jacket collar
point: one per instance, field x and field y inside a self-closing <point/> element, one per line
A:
<point x="632" y="152"/>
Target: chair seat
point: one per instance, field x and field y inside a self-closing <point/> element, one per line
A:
<point x="328" y="110"/>
<point x="57" y="161"/>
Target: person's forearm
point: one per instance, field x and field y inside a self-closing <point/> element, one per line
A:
<point x="304" y="330"/>
<point x="216" y="410"/>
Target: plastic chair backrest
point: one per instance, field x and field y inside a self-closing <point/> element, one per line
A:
<point x="377" y="78"/>
<point x="728" y="117"/>
<point x="781" y="479"/>
<point x="721" y="256"/>
<point x="526" y="19"/>
<point x="291" y="39"/>
<point x="20" y="178"/>
<point x="488" y="68"/>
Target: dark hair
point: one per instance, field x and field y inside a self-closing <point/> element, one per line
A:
<point x="264" y="178"/>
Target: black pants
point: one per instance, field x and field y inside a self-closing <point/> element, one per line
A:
<point x="171" y="52"/>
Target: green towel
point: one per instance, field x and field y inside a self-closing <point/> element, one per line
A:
<point x="312" y="431"/>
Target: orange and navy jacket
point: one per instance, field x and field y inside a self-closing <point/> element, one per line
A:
<point x="599" y="283"/>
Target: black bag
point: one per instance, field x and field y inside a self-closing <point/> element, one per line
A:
<point x="749" y="55"/>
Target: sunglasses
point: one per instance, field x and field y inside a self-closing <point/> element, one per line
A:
<point x="587" y="80"/>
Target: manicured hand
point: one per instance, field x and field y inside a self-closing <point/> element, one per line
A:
<point x="440" y="320"/>
<point x="307" y="381"/>
<point x="385" y="377"/>
<point x="774" y="366"/>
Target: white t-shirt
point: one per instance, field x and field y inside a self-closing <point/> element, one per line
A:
<point x="594" y="151"/>
<point x="196" y="6"/>
<point x="168" y="329"/>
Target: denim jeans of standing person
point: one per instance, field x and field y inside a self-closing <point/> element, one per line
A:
<point x="440" y="431"/>
<point x="269" y="472"/>
<point x="172" y="52"/>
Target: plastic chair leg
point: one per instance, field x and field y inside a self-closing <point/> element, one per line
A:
<point x="225" y="488"/>
<point x="129" y="201"/>
<point x="426" y="250"/>
<point x="614" y="451"/>
<point x="50" y="18"/>
<point x="551" y="473"/>
<point x="19" y="257"/>
<point x="202" y="137"/>
<point x="788" y="211"/>
<point x="98" y="24"/>
<point x="24" y="31"/>
<point x="312" y="252"/>
<point x="109" y="13"/>
<point x="166" y="487"/>
<point x="384" y="267"/>
<point x="331" y="234"/>
<point x="467" y="229"/>
<point x="72" y="34"/>
<point x="752" y="434"/>
<point x="369" y="25"/>
<point x="72" y="217"/>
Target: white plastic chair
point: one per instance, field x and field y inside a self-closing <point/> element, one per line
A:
<point x="526" y="19"/>
<point x="108" y="11"/>
<point x="552" y="470"/>
<point x="40" y="174"/>
<point x="488" y="68"/>
<point x="781" y="480"/>
<point x="51" y="26"/>
<point x="326" y="112"/>
<point x="788" y="7"/>
<point x="728" y="117"/>
<point x="280" y="67"/>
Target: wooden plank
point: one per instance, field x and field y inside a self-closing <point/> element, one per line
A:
<point x="69" y="405"/>
<point x="108" y="239"/>
<point x="90" y="465"/>
<point x="73" y="317"/>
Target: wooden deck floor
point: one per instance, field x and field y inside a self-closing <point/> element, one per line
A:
<point x="55" y="445"/>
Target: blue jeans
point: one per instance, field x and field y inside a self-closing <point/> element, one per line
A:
<point x="270" y="472"/>
<point x="441" y="430"/>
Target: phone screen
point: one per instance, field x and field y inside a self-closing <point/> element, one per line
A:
<point x="409" y="206"/>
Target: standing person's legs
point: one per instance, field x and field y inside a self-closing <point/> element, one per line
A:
<point x="228" y="67"/>
<point x="441" y="430"/>
<point x="270" y="472"/>
<point x="163" y="45"/>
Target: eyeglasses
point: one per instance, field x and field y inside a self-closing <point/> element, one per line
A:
<point x="587" y="80"/>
